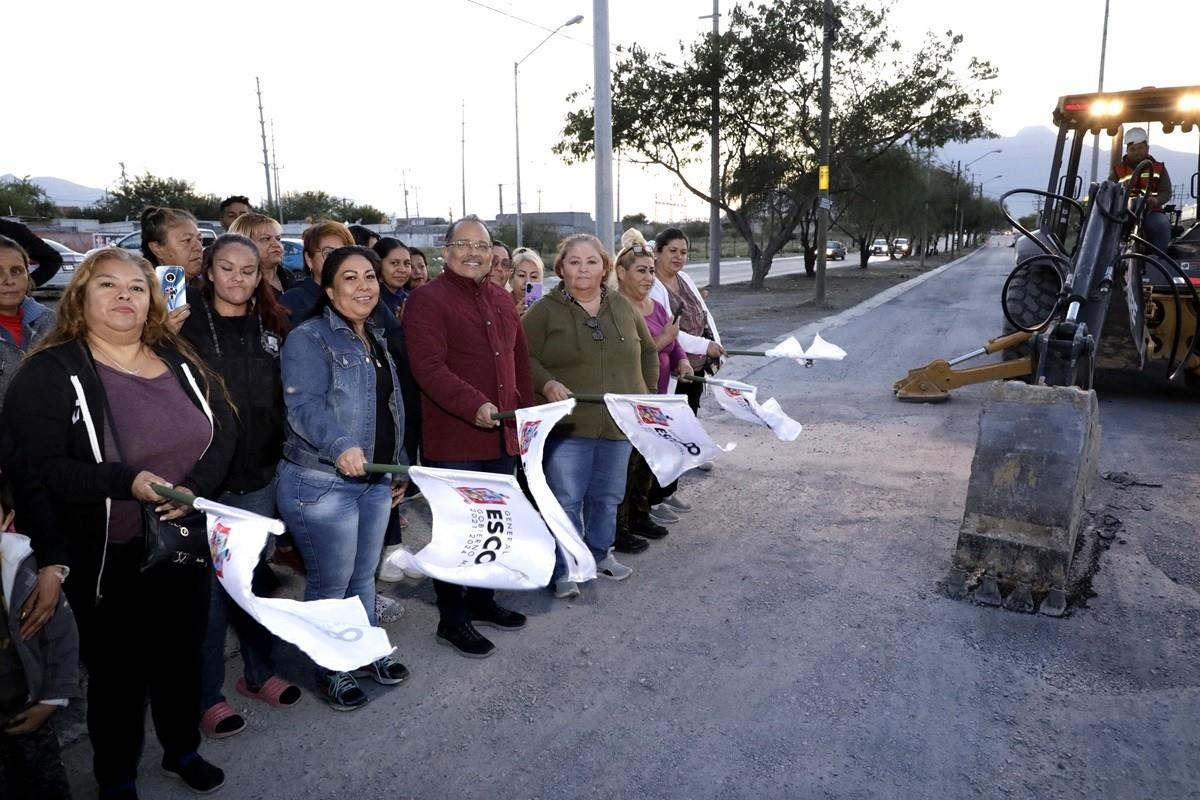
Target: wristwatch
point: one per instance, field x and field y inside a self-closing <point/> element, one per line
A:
<point x="61" y="571"/>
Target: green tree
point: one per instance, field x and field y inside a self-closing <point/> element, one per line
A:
<point x="131" y="196"/>
<point x="314" y="205"/>
<point x="769" y="77"/>
<point x="21" y="197"/>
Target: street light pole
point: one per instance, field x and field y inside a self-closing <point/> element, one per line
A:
<point x="602" y="81"/>
<point x="823" y="202"/>
<point x="1100" y="88"/>
<point x="957" y="216"/>
<point x="575" y="20"/>
<point x="714" y="219"/>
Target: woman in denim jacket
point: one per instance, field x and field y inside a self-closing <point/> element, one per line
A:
<point x="344" y="409"/>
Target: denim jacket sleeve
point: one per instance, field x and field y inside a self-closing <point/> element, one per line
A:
<point x="307" y="382"/>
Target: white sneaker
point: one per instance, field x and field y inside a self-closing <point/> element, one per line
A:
<point x="389" y="573"/>
<point x="663" y="514"/>
<point x="676" y="503"/>
<point x="386" y="609"/>
<point x="612" y="569"/>
<point x="565" y="589"/>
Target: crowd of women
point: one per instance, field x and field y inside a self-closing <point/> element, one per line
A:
<point x="270" y="392"/>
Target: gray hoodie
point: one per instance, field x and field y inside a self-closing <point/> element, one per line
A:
<point x="50" y="659"/>
<point x="36" y="321"/>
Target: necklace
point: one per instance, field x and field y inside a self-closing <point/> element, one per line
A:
<point x="110" y="358"/>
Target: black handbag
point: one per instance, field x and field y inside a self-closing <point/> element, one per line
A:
<point x="178" y="543"/>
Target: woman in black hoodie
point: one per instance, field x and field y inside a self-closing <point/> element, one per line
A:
<point x="109" y="403"/>
<point x="237" y="326"/>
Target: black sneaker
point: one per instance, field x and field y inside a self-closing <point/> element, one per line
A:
<point x="647" y="528"/>
<point x="628" y="543"/>
<point x="199" y="775"/>
<point x="342" y="692"/>
<point x="466" y="640"/>
<point x="387" y="671"/>
<point x="499" y="618"/>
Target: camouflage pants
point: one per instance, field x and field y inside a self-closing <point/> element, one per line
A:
<point x="31" y="766"/>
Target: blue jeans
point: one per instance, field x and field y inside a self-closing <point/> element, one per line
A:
<point x="254" y="640"/>
<point x="455" y="603"/>
<point x="588" y="478"/>
<point x="338" y="525"/>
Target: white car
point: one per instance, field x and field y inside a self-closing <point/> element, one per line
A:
<point x="133" y="241"/>
<point x="880" y="247"/>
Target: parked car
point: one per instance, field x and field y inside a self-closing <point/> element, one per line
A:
<point x="835" y="250"/>
<point x="71" y="260"/>
<point x="133" y="241"/>
<point x="293" y="255"/>
<point x="880" y="247"/>
<point x="901" y="247"/>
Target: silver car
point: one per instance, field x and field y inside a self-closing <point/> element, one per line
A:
<point x="71" y="260"/>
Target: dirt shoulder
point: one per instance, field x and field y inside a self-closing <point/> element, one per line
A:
<point x="747" y="317"/>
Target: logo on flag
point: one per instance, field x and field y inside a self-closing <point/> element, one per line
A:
<point x="529" y="430"/>
<point x="481" y="496"/>
<point x="218" y="544"/>
<point x="731" y="392"/>
<point x="651" y="415"/>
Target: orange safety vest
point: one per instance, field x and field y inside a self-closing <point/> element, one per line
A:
<point x="1152" y="176"/>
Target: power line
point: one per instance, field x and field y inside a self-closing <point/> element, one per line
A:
<point x="527" y="22"/>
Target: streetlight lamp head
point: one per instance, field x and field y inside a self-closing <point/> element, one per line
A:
<point x="575" y="20"/>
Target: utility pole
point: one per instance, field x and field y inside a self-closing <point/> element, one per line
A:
<point x="404" y="188"/>
<point x="463" y="157"/>
<point x="823" y="202"/>
<point x="714" y="218"/>
<point x="602" y="80"/>
<point x="500" y="190"/>
<point x="262" y="126"/>
<point x="275" y="170"/>
<point x="1100" y="88"/>
<point x="954" y="222"/>
<point x="925" y="211"/>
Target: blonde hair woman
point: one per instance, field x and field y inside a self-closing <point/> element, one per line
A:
<point x="584" y="338"/>
<point x="267" y="235"/>
<point x="108" y="403"/>
<point x="527" y="275"/>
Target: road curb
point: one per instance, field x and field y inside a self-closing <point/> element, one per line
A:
<point x="751" y="365"/>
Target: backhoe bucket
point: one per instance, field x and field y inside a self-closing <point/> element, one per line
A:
<point x="1034" y="462"/>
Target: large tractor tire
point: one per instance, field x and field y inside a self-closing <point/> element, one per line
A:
<point x="1032" y="295"/>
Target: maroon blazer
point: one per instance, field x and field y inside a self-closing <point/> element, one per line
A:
<point x="466" y="348"/>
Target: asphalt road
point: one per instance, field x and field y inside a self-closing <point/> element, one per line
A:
<point x="788" y="639"/>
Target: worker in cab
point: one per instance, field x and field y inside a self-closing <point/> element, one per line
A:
<point x="1152" y="182"/>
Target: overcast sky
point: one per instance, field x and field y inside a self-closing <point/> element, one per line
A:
<point x="365" y="95"/>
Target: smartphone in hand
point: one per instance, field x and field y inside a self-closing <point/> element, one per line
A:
<point x="172" y="281"/>
<point x="533" y="293"/>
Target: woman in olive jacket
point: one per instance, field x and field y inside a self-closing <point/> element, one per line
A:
<point x="585" y="339"/>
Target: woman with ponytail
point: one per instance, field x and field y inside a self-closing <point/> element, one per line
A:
<point x="635" y="280"/>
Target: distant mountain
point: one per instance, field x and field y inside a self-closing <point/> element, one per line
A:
<point x="65" y="193"/>
<point x="1024" y="161"/>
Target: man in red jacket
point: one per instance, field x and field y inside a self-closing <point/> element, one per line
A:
<point x="469" y="357"/>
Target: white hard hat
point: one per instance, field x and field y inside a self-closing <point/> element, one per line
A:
<point x="1136" y="135"/>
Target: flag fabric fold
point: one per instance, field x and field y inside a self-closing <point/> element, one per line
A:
<point x="665" y="431"/>
<point x="533" y="426"/>
<point x="485" y="533"/>
<point x="819" y="350"/>
<point x="741" y="401"/>
<point x="335" y="634"/>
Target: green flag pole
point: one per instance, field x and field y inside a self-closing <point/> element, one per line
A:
<point x="580" y="398"/>
<point x="758" y="353"/>
<point x="168" y="493"/>
<point x="385" y="468"/>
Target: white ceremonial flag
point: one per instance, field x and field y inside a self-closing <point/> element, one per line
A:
<point x="485" y="533"/>
<point x="740" y="400"/>
<point x="819" y="350"/>
<point x="533" y="426"/>
<point x="336" y="634"/>
<point x="665" y="431"/>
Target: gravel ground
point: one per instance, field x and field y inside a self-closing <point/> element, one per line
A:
<point x="789" y="638"/>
